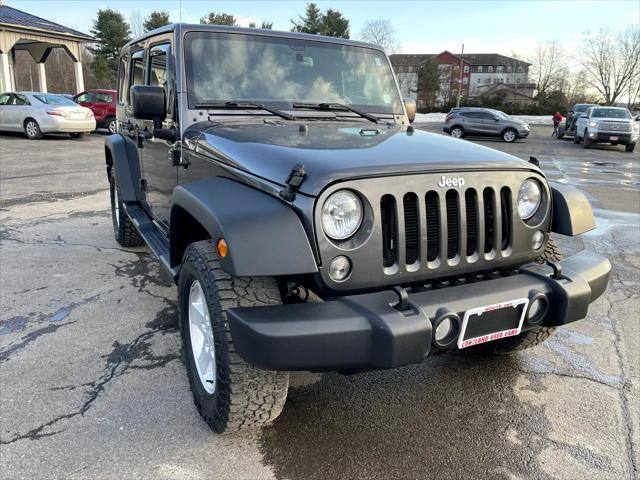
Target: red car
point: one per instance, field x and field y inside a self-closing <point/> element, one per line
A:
<point x="103" y="105"/>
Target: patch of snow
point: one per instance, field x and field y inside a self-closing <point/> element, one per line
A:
<point x="435" y="117"/>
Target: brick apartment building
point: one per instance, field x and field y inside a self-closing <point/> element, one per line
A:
<point x="482" y="74"/>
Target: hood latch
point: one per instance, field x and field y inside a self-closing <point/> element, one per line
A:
<point x="294" y="180"/>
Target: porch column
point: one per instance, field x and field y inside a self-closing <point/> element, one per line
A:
<point x="42" y="78"/>
<point x="77" y="67"/>
<point x="6" y="85"/>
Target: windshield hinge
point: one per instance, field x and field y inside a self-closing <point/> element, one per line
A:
<point x="294" y="180"/>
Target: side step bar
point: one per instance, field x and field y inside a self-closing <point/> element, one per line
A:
<point x="152" y="235"/>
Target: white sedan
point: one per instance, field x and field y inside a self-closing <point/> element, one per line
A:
<point x="37" y="113"/>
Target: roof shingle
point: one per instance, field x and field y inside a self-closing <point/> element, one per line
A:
<point x="13" y="16"/>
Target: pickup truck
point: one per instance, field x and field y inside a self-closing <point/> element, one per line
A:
<point x="612" y="125"/>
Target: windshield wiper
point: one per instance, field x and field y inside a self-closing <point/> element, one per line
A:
<point x="337" y="106"/>
<point x="245" y="105"/>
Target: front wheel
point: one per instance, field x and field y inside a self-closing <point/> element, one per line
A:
<point x="32" y="129"/>
<point x="457" y="132"/>
<point x="530" y="338"/>
<point x="229" y="393"/>
<point x="629" y="147"/>
<point x="509" y="135"/>
<point x="77" y="135"/>
<point x="586" y="141"/>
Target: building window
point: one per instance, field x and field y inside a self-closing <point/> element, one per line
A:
<point x="480" y="69"/>
<point x="520" y="69"/>
<point x="509" y="68"/>
<point x="466" y="69"/>
<point x="465" y="80"/>
<point x="478" y="80"/>
<point x="488" y="80"/>
<point x="490" y="69"/>
<point x="519" y="80"/>
<point x="499" y="69"/>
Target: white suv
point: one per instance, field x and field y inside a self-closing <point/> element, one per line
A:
<point x="612" y="125"/>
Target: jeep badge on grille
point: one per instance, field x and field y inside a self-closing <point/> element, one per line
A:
<point x="451" y="182"/>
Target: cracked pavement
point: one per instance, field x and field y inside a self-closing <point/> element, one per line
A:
<point x="92" y="383"/>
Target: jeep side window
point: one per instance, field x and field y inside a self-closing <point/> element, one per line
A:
<point x="137" y="71"/>
<point x="160" y="72"/>
<point x="123" y="77"/>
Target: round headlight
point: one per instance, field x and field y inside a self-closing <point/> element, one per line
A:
<point x="341" y="215"/>
<point x="529" y="198"/>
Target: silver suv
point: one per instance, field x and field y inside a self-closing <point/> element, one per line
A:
<point x="485" y="122"/>
<point x="612" y="125"/>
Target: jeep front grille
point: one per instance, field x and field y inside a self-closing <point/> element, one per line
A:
<point x="452" y="226"/>
<point x="416" y="232"/>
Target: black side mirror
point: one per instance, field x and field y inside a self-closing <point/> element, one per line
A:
<point x="148" y="102"/>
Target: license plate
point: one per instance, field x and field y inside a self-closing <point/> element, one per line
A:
<point x="492" y="322"/>
<point x="614" y="139"/>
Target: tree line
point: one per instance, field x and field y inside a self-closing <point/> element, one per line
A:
<point x="608" y="62"/>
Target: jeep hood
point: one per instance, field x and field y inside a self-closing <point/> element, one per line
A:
<point x="333" y="151"/>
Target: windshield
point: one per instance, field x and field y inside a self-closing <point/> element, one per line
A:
<point x="233" y="67"/>
<point x="610" y="113"/>
<point x="582" y="107"/>
<point x="55" y="100"/>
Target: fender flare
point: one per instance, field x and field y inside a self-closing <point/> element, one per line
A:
<point x="264" y="235"/>
<point x="572" y="214"/>
<point x="122" y="154"/>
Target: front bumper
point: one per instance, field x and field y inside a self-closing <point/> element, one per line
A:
<point x="366" y="331"/>
<point x="524" y="133"/>
<point x="605" y="137"/>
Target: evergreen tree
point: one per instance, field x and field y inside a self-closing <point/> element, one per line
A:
<point x="310" y="22"/>
<point x="112" y="32"/>
<point x="156" y="20"/>
<point x="428" y="84"/>
<point x="331" y="22"/>
<point x="214" y="18"/>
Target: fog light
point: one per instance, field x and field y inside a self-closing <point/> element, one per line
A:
<point x="538" y="308"/>
<point x="443" y="330"/>
<point x="339" y="268"/>
<point x="537" y="240"/>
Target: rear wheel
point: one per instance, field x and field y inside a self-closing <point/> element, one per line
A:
<point x="457" y="132"/>
<point x="530" y="338"/>
<point x="124" y="230"/>
<point x="229" y="393"/>
<point x="629" y="147"/>
<point x="509" y="135"/>
<point x="112" y="125"/>
<point x="32" y="129"/>
<point x="77" y="135"/>
<point x="576" y="137"/>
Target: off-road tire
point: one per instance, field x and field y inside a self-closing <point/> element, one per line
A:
<point x="530" y="338"/>
<point x="244" y="396"/>
<point x="586" y="141"/>
<point x="629" y="147"/>
<point x="124" y="230"/>
<point x="32" y="129"/>
<point x="77" y="134"/>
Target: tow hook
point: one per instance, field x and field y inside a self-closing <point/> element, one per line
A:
<point x="557" y="270"/>
<point x="403" y="298"/>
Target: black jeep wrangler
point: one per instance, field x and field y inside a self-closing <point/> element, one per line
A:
<point x="308" y="226"/>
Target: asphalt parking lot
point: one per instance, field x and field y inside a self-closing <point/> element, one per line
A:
<point x="92" y="383"/>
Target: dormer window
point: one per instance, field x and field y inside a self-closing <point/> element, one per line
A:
<point x="490" y="69"/>
<point x="480" y="69"/>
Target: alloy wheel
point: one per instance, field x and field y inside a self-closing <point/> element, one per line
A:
<point x="201" y="334"/>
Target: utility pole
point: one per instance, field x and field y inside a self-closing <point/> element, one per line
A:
<point x="460" y="78"/>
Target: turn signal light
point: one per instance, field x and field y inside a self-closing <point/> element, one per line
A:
<point x="223" y="248"/>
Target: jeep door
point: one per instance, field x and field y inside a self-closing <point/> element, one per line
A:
<point x="158" y="169"/>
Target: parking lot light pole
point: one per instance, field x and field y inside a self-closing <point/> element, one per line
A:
<point x="460" y="78"/>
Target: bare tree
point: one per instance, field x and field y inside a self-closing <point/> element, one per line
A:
<point x="136" y="24"/>
<point x="611" y="62"/>
<point x="380" y="32"/>
<point x="548" y="67"/>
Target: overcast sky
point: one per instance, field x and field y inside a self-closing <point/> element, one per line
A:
<point x="422" y="26"/>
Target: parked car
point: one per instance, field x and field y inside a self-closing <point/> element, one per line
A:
<point x="36" y="113"/>
<point x="485" y="122"/>
<point x="103" y="105"/>
<point x="571" y="118"/>
<point x="613" y="125"/>
<point x="309" y="226"/>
